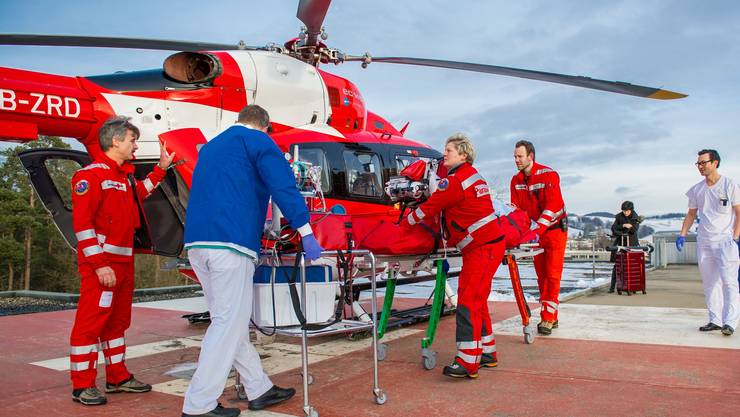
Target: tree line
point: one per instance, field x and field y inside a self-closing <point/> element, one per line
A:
<point x="33" y="253"/>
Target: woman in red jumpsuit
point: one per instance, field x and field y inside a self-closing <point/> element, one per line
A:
<point x="464" y="201"/>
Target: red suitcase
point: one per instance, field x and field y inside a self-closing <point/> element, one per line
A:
<point x="630" y="271"/>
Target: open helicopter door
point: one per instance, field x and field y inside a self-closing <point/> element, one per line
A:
<point x="185" y="143"/>
<point x="50" y="171"/>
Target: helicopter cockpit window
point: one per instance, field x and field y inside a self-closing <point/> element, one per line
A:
<point x="317" y="157"/>
<point x="364" y="174"/>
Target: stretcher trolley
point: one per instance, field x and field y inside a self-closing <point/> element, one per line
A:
<point x="442" y="290"/>
<point x="364" y="259"/>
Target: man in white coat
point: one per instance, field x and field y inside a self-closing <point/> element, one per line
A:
<point x="716" y="201"/>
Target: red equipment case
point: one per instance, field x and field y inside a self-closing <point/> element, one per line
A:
<point x="630" y="271"/>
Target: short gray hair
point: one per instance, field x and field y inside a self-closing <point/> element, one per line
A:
<point x="462" y="144"/>
<point x="115" y="127"/>
<point x="255" y="116"/>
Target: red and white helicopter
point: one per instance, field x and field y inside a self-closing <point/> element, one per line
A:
<point x="199" y="91"/>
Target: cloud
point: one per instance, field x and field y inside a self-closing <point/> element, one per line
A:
<point x="623" y="190"/>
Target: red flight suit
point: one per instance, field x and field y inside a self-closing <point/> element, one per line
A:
<point x="468" y="219"/>
<point x="104" y="217"/>
<point x="539" y="195"/>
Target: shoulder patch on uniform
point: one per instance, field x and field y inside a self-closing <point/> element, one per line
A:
<point x="481" y="190"/>
<point x="443" y="184"/>
<point x="82" y="187"/>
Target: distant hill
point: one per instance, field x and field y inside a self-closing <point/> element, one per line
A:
<point x="668" y="216"/>
<point x="599" y="214"/>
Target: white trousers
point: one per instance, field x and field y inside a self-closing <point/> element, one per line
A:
<point x="226" y="277"/>
<point x="718" y="263"/>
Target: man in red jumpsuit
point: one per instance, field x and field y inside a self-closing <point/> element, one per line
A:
<point x="536" y="190"/>
<point x="106" y="212"/>
<point x="465" y="202"/>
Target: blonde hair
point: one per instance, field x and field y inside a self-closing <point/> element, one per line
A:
<point x="462" y="144"/>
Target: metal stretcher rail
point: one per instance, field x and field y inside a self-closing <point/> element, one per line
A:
<point x="343" y="326"/>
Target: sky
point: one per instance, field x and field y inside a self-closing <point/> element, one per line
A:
<point x="607" y="147"/>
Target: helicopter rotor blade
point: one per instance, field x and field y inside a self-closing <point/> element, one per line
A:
<point x="108" y="42"/>
<point x="618" y="87"/>
<point x="312" y="14"/>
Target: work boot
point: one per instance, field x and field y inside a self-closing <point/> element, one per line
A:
<point x="88" y="396"/>
<point x="709" y="327"/>
<point x="219" y="411"/>
<point x="274" y="395"/>
<point x="488" y="360"/>
<point x="727" y="330"/>
<point x="545" y="327"/>
<point x="130" y="385"/>
<point x="458" y="371"/>
<point x="556" y="324"/>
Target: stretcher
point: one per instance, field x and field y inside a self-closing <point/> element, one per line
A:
<point x="442" y="290"/>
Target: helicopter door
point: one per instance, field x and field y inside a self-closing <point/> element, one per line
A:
<point x="50" y="171"/>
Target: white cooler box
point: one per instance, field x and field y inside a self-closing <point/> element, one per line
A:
<point x="321" y="293"/>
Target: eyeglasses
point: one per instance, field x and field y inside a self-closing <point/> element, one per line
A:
<point x="702" y="163"/>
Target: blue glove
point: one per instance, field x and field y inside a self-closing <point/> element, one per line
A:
<point x="445" y="267"/>
<point x="679" y="243"/>
<point x="311" y="247"/>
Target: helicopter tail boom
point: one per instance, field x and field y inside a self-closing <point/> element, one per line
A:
<point x="33" y="103"/>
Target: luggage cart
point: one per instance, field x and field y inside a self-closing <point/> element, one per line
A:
<point x="441" y="290"/>
<point x="343" y="326"/>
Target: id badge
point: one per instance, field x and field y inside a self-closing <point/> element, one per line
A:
<point x="106" y="299"/>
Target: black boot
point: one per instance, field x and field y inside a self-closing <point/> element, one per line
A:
<point x="274" y="395"/>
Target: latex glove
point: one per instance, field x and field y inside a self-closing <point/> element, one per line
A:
<point x="311" y="247"/>
<point x="445" y="267"/>
<point x="679" y="243"/>
<point x="536" y="239"/>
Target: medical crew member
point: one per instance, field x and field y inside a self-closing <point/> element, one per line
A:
<point x="465" y="202"/>
<point x="716" y="201"/>
<point x="236" y="173"/>
<point x="536" y="190"/>
<point x="106" y="212"/>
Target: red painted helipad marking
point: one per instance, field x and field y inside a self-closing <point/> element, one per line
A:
<point x="569" y="377"/>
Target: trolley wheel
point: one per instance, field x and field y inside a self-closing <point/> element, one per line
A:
<point x="528" y="335"/>
<point x="381" y="397"/>
<point x="241" y="393"/>
<point x="382" y="351"/>
<point x="428" y="359"/>
<point x="311" y="412"/>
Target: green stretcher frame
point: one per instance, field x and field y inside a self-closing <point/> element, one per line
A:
<point x="437" y="304"/>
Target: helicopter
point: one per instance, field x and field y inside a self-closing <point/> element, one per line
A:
<point x="203" y="86"/>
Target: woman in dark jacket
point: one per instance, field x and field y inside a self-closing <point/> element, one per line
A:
<point x="624" y="230"/>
